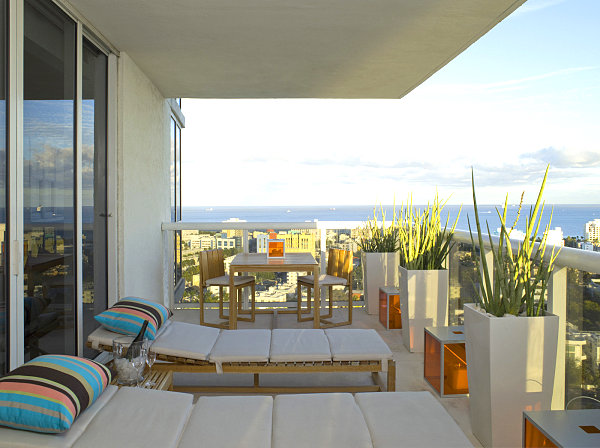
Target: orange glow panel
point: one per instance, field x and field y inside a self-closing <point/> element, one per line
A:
<point x="389" y="310"/>
<point x="395" y="321"/>
<point x="276" y="248"/>
<point x="432" y="362"/>
<point x="534" y="437"/>
<point x="455" y="369"/>
<point x="590" y="429"/>
<point x="382" y="308"/>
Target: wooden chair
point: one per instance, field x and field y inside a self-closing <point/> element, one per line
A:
<point x="339" y="272"/>
<point x="212" y="273"/>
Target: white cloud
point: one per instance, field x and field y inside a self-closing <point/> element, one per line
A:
<point x="363" y="152"/>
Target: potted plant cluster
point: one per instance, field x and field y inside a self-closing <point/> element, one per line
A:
<point x="511" y="339"/>
<point x="423" y="246"/>
<point x="379" y="257"/>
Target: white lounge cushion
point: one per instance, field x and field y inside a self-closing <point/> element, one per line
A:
<point x="318" y="420"/>
<point x="14" y="438"/>
<point x="186" y="341"/>
<point x="353" y="344"/>
<point x="102" y="336"/>
<point x="297" y="345"/>
<point x="411" y="419"/>
<point x="242" y="346"/>
<point x="225" y="422"/>
<point x="224" y="280"/>
<point x="139" y="418"/>
<point x="324" y="280"/>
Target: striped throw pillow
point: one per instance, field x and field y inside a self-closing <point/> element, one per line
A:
<point x="49" y="392"/>
<point x="128" y="315"/>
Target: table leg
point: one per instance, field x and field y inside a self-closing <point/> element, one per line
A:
<point x="317" y="299"/>
<point x="232" y="301"/>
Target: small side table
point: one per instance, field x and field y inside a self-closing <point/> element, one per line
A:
<point x="445" y="362"/>
<point x="561" y="429"/>
<point x="389" y="308"/>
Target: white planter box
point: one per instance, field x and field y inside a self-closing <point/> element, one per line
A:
<point x="510" y="366"/>
<point x="379" y="269"/>
<point x="423" y="303"/>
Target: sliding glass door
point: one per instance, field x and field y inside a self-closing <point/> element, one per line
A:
<point x="3" y="195"/>
<point x="93" y="194"/>
<point x="49" y="71"/>
<point x="53" y="182"/>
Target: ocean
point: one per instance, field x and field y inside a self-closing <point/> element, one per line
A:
<point x="570" y="218"/>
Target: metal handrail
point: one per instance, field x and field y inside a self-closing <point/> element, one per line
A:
<point x="244" y="225"/>
<point x="583" y="260"/>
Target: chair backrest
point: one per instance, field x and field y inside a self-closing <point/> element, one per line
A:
<point x="339" y="263"/>
<point x="211" y="265"/>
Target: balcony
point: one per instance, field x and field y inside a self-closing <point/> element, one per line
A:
<point x="69" y="250"/>
<point x="572" y="287"/>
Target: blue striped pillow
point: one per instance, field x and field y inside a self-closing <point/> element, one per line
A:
<point x="128" y="315"/>
<point x="48" y="393"/>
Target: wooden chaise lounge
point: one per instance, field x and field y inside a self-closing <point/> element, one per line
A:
<point x="142" y="418"/>
<point x="183" y="347"/>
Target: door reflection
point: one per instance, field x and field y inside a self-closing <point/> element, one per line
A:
<point x="48" y="179"/>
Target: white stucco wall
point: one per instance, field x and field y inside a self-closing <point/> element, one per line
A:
<point x="143" y="182"/>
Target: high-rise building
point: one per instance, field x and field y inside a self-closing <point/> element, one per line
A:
<point x="592" y="230"/>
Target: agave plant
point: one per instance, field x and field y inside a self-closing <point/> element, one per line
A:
<point x="423" y="244"/>
<point x="520" y="277"/>
<point x="376" y="236"/>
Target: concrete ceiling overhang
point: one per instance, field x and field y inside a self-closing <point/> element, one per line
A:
<point x="292" y="48"/>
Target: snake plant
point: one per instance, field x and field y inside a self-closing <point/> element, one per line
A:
<point x="423" y="244"/>
<point x="376" y="236"/>
<point x="520" y="277"/>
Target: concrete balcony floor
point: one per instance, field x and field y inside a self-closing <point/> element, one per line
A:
<point x="409" y="366"/>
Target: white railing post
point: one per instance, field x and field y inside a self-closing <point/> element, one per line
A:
<point x="245" y="249"/>
<point x="245" y="244"/>
<point x="168" y="268"/>
<point x="557" y="304"/>
<point x="323" y="237"/>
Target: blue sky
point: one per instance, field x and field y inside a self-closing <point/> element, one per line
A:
<point x="525" y="95"/>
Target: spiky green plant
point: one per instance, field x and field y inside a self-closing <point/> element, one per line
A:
<point x="376" y="236"/>
<point x="520" y="278"/>
<point x="423" y="244"/>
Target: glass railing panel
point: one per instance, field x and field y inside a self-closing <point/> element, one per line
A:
<point x="582" y="369"/>
<point x="278" y="289"/>
<point x="192" y="243"/>
<point x="463" y="278"/>
<point x="273" y="289"/>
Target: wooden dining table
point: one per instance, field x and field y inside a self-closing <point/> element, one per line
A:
<point x="291" y="262"/>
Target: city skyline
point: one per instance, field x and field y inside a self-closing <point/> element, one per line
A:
<point x="523" y="96"/>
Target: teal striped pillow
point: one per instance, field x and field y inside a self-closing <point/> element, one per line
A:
<point x="49" y="392"/>
<point x="128" y="315"/>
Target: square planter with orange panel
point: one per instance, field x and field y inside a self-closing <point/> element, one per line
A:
<point x="389" y="308"/>
<point x="445" y="361"/>
<point x="561" y="429"/>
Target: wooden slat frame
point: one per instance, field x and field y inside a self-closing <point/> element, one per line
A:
<point x="188" y="365"/>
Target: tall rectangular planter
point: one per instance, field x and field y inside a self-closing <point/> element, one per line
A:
<point x="510" y="367"/>
<point x="423" y="303"/>
<point x="379" y="269"/>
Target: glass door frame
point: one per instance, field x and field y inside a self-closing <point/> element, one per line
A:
<point x="16" y="275"/>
